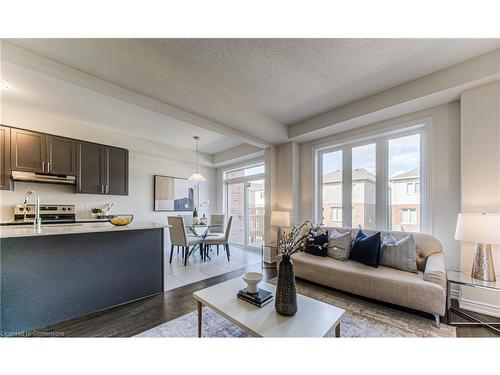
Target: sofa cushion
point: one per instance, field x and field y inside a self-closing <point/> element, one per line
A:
<point x="425" y="243"/>
<point x="339" y="245"/>
<point x="317" y="244"/>
<point x="383" y="283"/>
<point x="399" y="254"/>
<point x="366" y="249"/>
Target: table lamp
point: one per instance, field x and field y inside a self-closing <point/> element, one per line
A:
<point x="280" y="219"/>
<point x="484" y="230"/>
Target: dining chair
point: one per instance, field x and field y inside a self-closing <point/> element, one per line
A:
<point x="188" y="219"/>
<point x="178" y="237"/>
<point x="219" y="240"/>
<point x="216" y="227"/>
<point x="216" y="224"/>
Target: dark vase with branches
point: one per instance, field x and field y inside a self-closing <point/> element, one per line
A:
<point x="290" y="243"/>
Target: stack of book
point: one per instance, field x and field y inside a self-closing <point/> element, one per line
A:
<point x="260" y="299"/>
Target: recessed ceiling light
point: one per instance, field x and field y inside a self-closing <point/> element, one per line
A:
<point x="4" y="85"/>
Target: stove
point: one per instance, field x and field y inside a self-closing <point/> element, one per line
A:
<point x="50" y="214"/>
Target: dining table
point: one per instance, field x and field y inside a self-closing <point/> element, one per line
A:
<point x="201" y="231"/>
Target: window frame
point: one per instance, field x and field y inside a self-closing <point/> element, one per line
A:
<point x="410" y="211"/>
<point x="381" y="139"/>
<point x="335" y="210"/>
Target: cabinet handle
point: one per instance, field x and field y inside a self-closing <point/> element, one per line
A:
<point x="48" y="166"/>
<point x="43" y="166"/>
<point x="107" y="189"/>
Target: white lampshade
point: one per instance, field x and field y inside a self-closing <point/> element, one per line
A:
<point x="480" y="228"/>
<point x="197" y="177"/>
<point x="280" y="218"/>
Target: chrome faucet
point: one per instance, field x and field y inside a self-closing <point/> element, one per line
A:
<point x="37" y="223"/>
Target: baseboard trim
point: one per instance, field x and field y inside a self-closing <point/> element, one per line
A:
<point x="476" y="306"/>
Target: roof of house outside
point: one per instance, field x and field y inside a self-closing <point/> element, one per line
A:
<point x="412" y="173"/>
<point x="358" y="174"/>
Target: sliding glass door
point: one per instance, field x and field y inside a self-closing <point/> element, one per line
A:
<point x="245" y="202"/>
<point x="255" y="209"/>
<point x="236" y="209"/>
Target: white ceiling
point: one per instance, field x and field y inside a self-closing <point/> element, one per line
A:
<point x="42" y="93"/>
<point x="294" y="79"/>
<point x="228" y="91"/>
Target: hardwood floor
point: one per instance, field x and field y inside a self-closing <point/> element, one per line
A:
<point x="133" y="318"/>
<point x="474" y="331"/>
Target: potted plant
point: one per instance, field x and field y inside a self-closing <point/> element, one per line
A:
<point x="290" y="243"/>
<point x="96" y="212"/>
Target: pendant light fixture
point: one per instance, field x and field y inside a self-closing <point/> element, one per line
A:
<point x="196" y="176"/>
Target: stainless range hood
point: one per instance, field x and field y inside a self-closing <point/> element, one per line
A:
<point x="40" y="177"/>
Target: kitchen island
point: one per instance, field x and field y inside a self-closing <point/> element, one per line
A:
<point x="69" y="270"/>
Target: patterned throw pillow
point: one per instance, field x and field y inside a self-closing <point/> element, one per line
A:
<point x="339" y="245"/>
<point x="401" y="254"/>
<point x="317" y="244"/>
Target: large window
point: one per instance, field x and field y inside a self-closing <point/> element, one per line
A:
<point x="363" y="176"/>
<point x="332" y="188"/>
<point x="404" y="183"/>
<point x="379" y="178"/>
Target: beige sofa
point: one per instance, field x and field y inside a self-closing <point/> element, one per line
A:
<point x="425" y="291"/>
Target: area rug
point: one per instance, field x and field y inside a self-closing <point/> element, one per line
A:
<point x="362" y="319"/>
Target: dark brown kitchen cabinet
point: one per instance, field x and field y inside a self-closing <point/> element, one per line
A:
<point x="90" y="175"/>
<point x="61" y="155"/>
<point x="42" y="153"/>
<point x="28" y="151"/>
<point x="5" y="183"/>
<point x="117" y="171"/>
<point x="101" y="169"/>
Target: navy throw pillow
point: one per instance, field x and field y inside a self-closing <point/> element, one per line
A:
<point x="317" y="244"/>
<point x="366" y="249"/>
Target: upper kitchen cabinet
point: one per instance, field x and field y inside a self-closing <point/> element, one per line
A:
<point x="5" y="183"/>
<point x="117" y="171"/>
<point x="42" y="153"/>
<point x="61" y="155"/>
<point x="28" y="151"/>
<point x="90" y="177"/>
<point x="101" y="169"/>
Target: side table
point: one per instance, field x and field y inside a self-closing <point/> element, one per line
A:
<point x="465" y="279"/>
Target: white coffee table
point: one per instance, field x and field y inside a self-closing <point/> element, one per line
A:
<point x="313" y="318"/>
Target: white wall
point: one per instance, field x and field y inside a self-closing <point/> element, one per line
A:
<point x="146" y="159"/>
<point x="444" y="171"/>
<point x="481" y="176"/>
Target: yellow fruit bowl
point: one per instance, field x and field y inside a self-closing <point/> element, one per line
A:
<point x="121" y="220"/>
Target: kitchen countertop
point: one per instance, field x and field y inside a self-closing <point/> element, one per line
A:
<point x="73" y="228"/>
